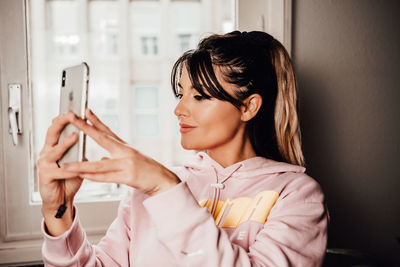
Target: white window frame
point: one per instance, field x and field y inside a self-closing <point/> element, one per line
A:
<point x="274" y="17"/>
<point x="20" y="220"/>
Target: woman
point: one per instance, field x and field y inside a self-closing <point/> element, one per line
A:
<point x="245" y="202"/>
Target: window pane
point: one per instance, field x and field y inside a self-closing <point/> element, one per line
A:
<point x="59" y="40"/>
<point x="145" y="25"/>
<point x="104" y="28"/>
<point x="64" y="37"/>
<point x="104" y="93"/>
<point x="184" y="42"/>
<point x="186" y="16"/>
<point x="146" y="125"/>
<point x="126" y="44"/>
<point x="146" y="97"/>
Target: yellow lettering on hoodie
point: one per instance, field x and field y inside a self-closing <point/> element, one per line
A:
<point x="242" y="209"/>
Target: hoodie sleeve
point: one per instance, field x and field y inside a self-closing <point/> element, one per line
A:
<point x="294" y="234"/>
<point x="73" y="248"/>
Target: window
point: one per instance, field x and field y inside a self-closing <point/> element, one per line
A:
<point x="187" y="24"/>
<point x="72" y="44"/>
<point x="184" y="42"/>
<point x="145" y="27"/>
<point x="104" y="28"/>
<point x="128" y="89"/>
<point x="149" y="45"/>
<point x="64" y="37"/>
<point x="146" y="112"/>
<point x="95" y="32"/>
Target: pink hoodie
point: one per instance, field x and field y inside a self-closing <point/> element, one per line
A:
<point x="258" y="212"/>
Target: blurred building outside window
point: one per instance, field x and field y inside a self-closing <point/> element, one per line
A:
<point x="130" y="47"/>
<point x="146" y="112"/>
<point x="149" y="45"/>
<point x="185" y="42"/>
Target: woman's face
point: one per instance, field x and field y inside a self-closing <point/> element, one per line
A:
<point x="206" y="124"/>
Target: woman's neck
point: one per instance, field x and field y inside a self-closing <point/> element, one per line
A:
<point x="233" y="152"/>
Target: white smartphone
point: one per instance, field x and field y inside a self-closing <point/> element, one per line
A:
<point x="74" y="97"/>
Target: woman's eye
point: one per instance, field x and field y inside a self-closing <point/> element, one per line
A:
<point x="199" y="97"/>
<point x="179" y="96"/>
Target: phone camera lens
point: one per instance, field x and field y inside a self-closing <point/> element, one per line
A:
<point x="63" y="79"/>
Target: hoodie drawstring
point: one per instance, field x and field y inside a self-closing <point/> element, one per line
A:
<point x="217" y="189"/>
<point x="215" y="185"/>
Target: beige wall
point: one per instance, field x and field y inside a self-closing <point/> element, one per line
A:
<point x="347" y="59"/>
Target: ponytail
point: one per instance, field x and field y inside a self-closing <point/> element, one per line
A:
<point x="287" y="128"/>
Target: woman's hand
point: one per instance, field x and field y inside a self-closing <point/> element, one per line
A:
<point x="125" y="165"/>
<point x="55" y="184"/>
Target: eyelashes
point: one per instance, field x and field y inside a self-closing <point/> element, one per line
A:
<point x="196" y="97"/>
<point x="199" y="97"/>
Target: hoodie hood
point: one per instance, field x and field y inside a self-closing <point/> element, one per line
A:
<point x="244" y="169"/>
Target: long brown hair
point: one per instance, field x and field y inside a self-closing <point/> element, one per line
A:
<point x="257" y="64"/>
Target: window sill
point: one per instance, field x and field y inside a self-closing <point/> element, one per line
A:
<point x="28" y="251"/>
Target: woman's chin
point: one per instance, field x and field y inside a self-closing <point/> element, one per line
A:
<point x="187" y="147"/>
<point x="190" y="146"/>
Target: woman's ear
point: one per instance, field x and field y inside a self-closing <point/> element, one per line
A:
<point x="251" y="105"/>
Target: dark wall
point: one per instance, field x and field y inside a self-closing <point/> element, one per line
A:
<point x="347" y="60"/>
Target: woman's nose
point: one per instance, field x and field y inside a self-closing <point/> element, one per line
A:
<point x="181" y="109"/>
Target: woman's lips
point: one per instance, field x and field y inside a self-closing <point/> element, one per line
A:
<point x="185" y="128"/>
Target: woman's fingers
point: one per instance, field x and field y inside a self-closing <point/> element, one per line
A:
<point x="97" y="123"/>
<point x="54" y="131"/>
<point x="94" y="166"/>
<point x="98" y="136"/>
<point x="57" y="173"/>
<point x="105" y="177"/>
<point x="58" y="151"/>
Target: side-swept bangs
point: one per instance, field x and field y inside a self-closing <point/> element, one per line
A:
<point x="200" y="69"/>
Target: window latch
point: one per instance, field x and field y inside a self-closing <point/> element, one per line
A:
<point x="14" y="111"/>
